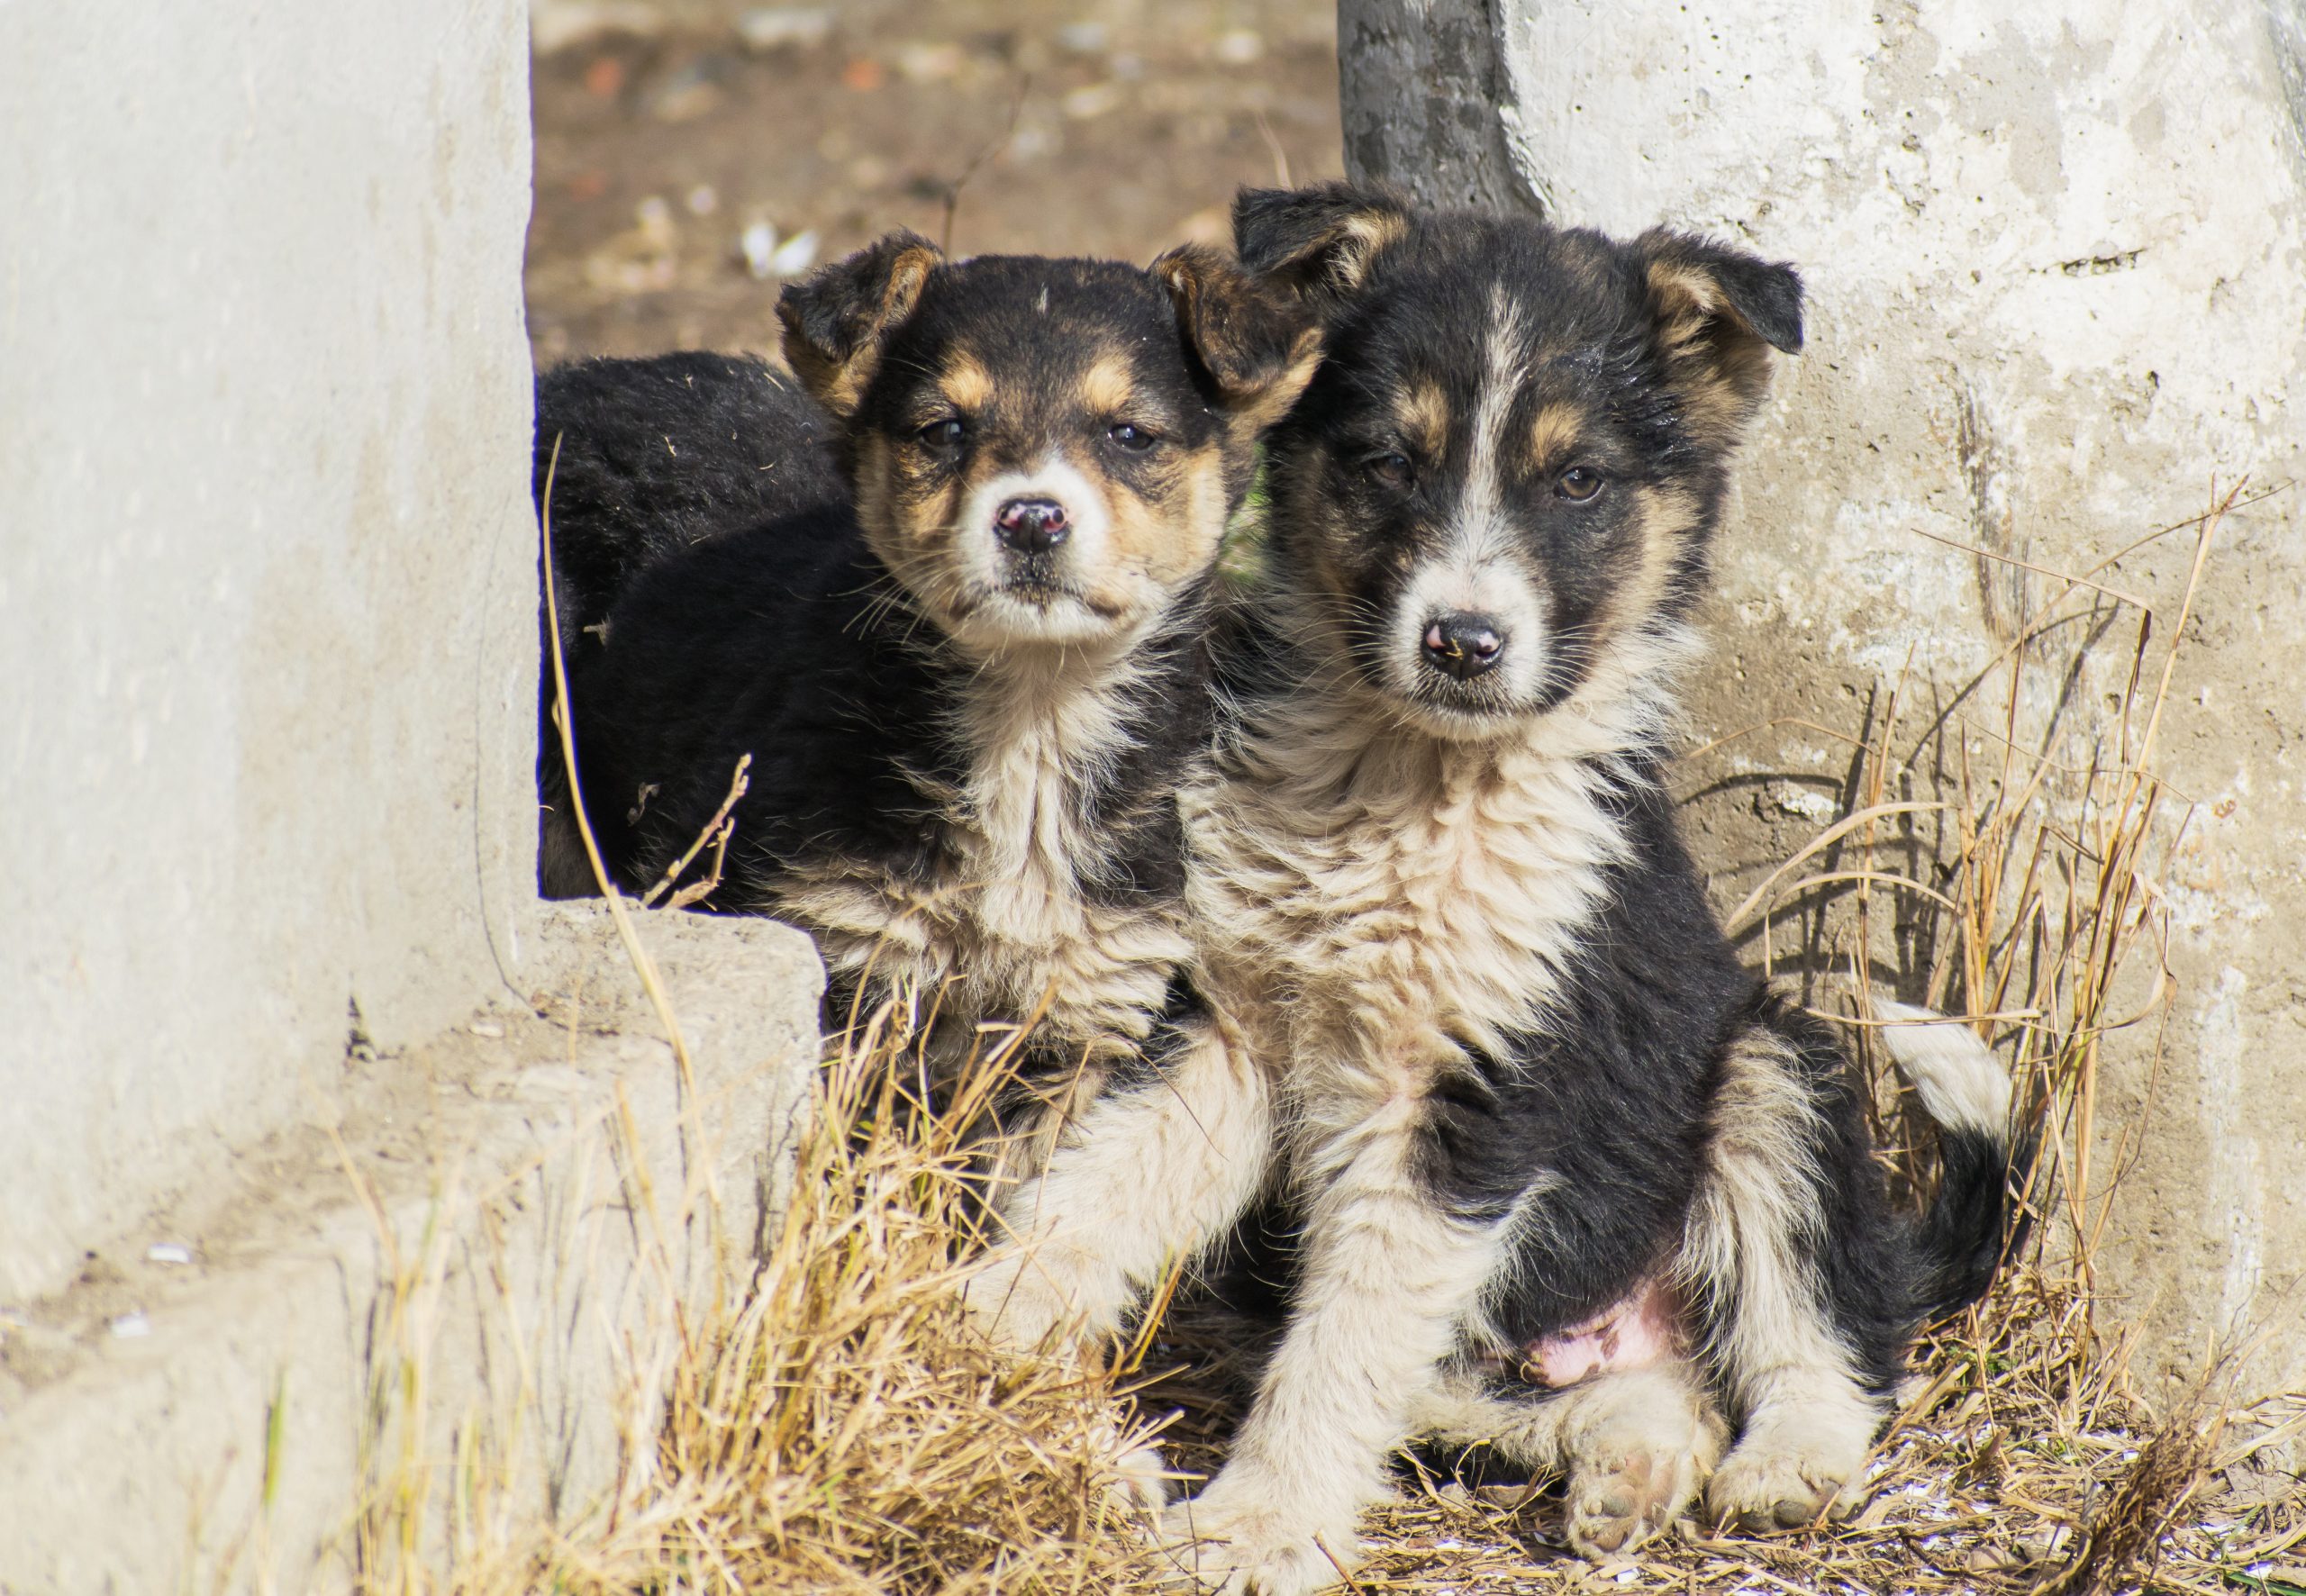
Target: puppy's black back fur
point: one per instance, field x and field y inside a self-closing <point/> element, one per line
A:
<point x="647" y="457"/>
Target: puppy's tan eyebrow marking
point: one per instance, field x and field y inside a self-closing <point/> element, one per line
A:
<point x="965" y="382"/>
<point x="1552" y="436"/>
<point x="1422" y="410"/>
<point x="1107" y="386"/>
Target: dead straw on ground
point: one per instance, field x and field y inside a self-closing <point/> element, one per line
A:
<point x="832" y="1424"/>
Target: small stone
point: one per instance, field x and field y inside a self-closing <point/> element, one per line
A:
<point x="689" y="97"/>
<point x="605" y="78"/>
<point x="1083" y="104"/>
<point x="756" y="244"/>
<point x="795" y="255"/>
<point x="483" y="1027"/>
<point x="924" y="62"/>
<point x="1239" y="47"/>
<point x="555" y="25"/>
<point x="781" y="27"/>
<point x="167" y="1252"/>
<point x="127" y="1327"/>
<point x="766" y="257"/>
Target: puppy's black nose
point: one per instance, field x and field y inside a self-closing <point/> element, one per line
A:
<point x="1463" y="645"/>
<point x="1031" y="526"/>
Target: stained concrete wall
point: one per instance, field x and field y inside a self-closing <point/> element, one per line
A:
<point x="2057" y="256"/>
<point x="267" y="580"/>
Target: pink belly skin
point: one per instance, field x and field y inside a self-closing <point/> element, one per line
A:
<point x="1642" y="1329"/>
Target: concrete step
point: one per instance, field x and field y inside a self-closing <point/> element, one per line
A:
<point x="480" y="1253"/>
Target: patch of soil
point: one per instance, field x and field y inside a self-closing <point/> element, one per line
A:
<point x="667" y="143"/>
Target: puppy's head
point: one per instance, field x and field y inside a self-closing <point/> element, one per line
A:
<point x="1045" y="452"/>
<point x="1502" y="480"/>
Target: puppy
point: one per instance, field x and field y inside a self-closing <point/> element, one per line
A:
<point x="1569" y="1180"/>
<point x="952" y="605"/>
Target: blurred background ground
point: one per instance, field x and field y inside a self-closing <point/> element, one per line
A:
<point x="690" y="154"/>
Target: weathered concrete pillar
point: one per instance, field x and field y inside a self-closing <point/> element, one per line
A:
<point x="266" y="575"/>
<point x="269" y="925"/>
<point x="2057" y="257"/>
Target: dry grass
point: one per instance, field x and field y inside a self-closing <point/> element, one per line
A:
<point x="847" y="1430"/>
<point x="828" y="1424"/>
<point x="832" y="1424"/>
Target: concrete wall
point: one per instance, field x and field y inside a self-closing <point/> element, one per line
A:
<point x="267" y="580"/>
<point x="2058" y="281"/>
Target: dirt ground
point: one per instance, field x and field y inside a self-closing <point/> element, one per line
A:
<point x="672" y="138"/>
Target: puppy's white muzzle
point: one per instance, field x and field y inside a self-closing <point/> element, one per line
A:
<point x="1030" y="546"/>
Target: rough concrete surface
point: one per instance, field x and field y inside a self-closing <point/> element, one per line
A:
<point x="270" y="953"/>
<point x="266" y="575"/>
<point x="2057" y="263"/>
<point x="535" y="1192"/>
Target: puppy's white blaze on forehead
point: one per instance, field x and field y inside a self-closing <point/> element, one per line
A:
<point x="1503" y="372"/>
<point x="1477" y="570"/>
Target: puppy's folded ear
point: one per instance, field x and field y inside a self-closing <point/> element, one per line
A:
<point x="1719" y="313"/>
<point x="836" y="318"/>
<point x="1320" y="241"/>
<point x="1258" y="348"/>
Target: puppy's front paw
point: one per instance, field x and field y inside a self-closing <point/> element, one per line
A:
<point x="1239" y="1547"/>
<point x="1140" y="1480"/>
<point x="1014" y="1304"/>
<point x="1764" y="1484"/>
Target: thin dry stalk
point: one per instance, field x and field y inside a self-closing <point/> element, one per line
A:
<point x="716" y="833"/>
<point x="850" y="1429"/>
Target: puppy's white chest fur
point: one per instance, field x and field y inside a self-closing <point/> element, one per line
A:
<point x="1374" y="904"/>
<point x="1014" y="923"/>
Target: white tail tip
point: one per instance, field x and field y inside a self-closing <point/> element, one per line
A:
<point x="1961" y="1085"/>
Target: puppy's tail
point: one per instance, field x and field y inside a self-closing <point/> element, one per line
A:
<point x="1973" y="1217"/>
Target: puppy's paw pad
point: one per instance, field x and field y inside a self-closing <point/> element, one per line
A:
<point x="1623" y="1501"/>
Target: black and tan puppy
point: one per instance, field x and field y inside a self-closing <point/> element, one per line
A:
<point x="953" y="603"/>
<point x="1568" y="1180"/>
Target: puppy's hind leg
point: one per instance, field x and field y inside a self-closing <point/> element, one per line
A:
<point x="1752" y="1259"/>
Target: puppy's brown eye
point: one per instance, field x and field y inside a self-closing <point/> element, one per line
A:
<point x="1579" y="484"/>
<point x="943" y="434"/>
<point x="1389" y="467"/>
<point x="1135" y="438"/>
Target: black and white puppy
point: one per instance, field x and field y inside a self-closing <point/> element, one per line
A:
<point x="1570" y="1181"/>
<point x="951" y="600"/>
